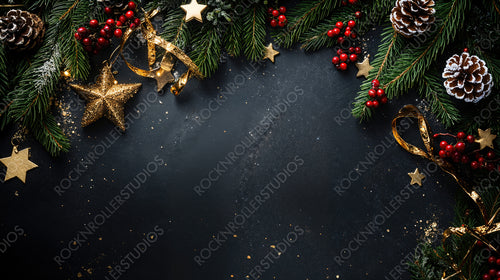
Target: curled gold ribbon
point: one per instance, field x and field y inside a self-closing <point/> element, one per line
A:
<point x="167" y="63"/>
<point x="480" y="232"/>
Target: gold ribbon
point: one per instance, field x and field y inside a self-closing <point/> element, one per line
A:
<point x="167" y="63"/>
<point x="410" y="111"/>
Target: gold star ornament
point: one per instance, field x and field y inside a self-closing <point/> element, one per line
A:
<point x="364" y="67"/>
<point x="106" y="98"/>
<point x="416" y="177"/>
<point x="18" y="164"/>
<point x="485" y="138"/>
<point x="270" y="53"/>
<point x="194" y="10"/>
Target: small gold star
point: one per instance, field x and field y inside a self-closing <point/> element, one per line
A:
<point x="485" y="138"/>
<point x="364" y="67"/>
<point x="270" y="52"/>
<point x="164" y="75"/>
<point x="106" y="98"/>
<point x="18" y="164"/>
<point x="193" y="10"/>
<point x="416" y="177"/>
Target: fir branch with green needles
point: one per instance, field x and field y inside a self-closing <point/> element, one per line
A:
<point x="232" y="40"/>
<point x="175" y="29"/>
<point x="254" y="32"/>
<point x="207" y="48"/>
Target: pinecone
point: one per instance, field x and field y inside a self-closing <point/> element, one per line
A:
<point x="412" y="17"/>
<point x="467" y="77"/>
<point x="21" y="30"/>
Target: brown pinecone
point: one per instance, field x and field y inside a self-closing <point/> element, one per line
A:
<point x="412" y="17"/>
<point x="21" y="30"/>
<point x="467" y="77"/>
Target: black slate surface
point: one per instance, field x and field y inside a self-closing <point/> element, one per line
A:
<point x="343" y="211"/>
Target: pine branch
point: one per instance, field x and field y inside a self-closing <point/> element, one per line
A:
<point x="175" y="29"/>
<point x="48" y="132"/>
<point x="207" y="50"/>
<point x="305" y="15"/>
<point x="441" y="103"/>
<point x="254" y="32"/>
<point x="232" y="40"/>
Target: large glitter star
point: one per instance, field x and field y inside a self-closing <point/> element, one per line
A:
<point x="193" y="10"/>
<point x="485" y="138"/>
<point x="270" y="53"/>
<point x="18" y="164"/>
<point x="106" y="98"/>
<point x="364" y="67"/>
<point x="416" y="177"/>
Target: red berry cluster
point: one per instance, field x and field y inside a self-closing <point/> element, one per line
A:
<point x="343" y="31"/>
<point x="377" y="95"/>
<point x="277" y="17"/>
<point x="464" y="151"/>
<point x="352" y="2"/>
<point x="94" y="38"/>
<point x="493" y="268"/>
<point x="342" y="58"/>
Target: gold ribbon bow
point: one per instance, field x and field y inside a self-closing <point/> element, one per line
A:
<point x="162" y="73"/>
<point x="410" y="111"/>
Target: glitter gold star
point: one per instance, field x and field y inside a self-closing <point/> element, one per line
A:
<point x="164" y="75"/>
<point x="485" y="138"/>
<point x="364" y="67"/>
<point x="106" y="99"/>
<point x="194" y="10"/>
<point x="18" y="164"/>
<point x="416" y="177"/>
<point x="270" y="52"/>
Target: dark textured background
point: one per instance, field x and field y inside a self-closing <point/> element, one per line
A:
<point x="191" y="148"/>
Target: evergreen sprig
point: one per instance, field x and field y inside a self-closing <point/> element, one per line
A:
<point x="254" y="32"/>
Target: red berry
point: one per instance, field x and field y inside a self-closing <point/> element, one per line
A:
<point x="335" y="60"/>
<point x="270" y="10"/>
<point x="340" y="39"/>
<point x="492" y="260"/>
<point x="339" y="24"/>
<point x="480" y="244"/>
<point x="77" y="36"/>
<point x="282" y="9"/>
<point x="122" y="18"/>
<point x="118" y="33"/>
<point x="110" y="22"/>
<point x="357" y="14"/>
<point x="461" y="135"/>
<point x="443" y="145"/>
<point x="282" y="18"/>
<point x="352" y="2"/>
<point x="470" y="138"/>
<point x="475" y="165"/>
<point x="351" y="49"/>
<point x="490" y="155"/>
<point x="358" y="50"/>
<point x="106" y="28"/>
<point x="466" y="50"/>
<point x="369" y="104"/>
<point x="372" y="93"/>
<point x="137" y="21"/>
<point x="119" y="23"/>
<point x="103" y="32"/>
<point x="353" y="57"/>
<point x="108" y="10"/>
<point x="94" y="23"/>
<point x="436" y="135"/>
<point x="351" y="23"/>
<point x="498" y="272"/>
<point x="131" y="5"/>
<point x="343" y="57"/>
<point x="276" y="13"/>
<point x="82" y="31"/>
<point x="343" y="66"/>
<point x="486" y="277"/>
<point x="336" y="31"/>
<point x="347" y="33"/>
<point x="274" y="23"/>
<point x="282" y="23"/>
<point x="344" y="3"/>
<point x="375" y="83"/>
<point x="129" y="14"/>
<point x="87" y="42"/>
<point x="101" y="41"/>
<point x="353" y="35"/>
<point x="380" y="92"/>
<point x="465" y="159"/>
<point x="442" y="154"/>
<point x="450" y="148"/>
<point x="348" y="28"/>
<point x="460" y="146"/>
<point x="384" y="99"/>
<point x="375" y="103"/>
<point x="340" y="51"/>
<point x="481" y="160"/>
<point x="132" y="25"/>
<point x="456" y="157"/>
